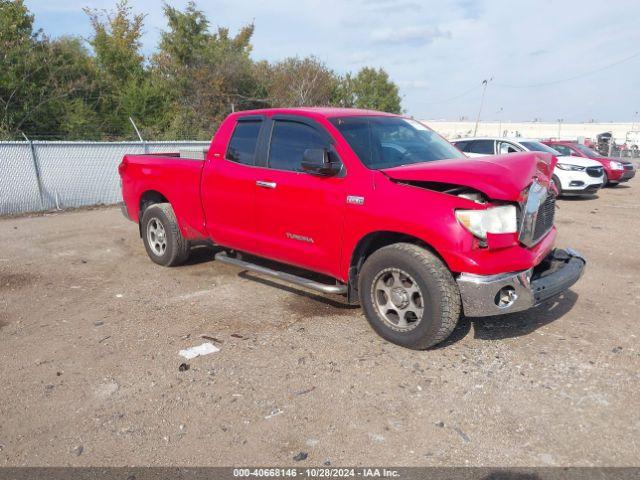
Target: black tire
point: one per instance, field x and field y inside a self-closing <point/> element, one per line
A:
<point x="605" y="180"/>
<point x="441" y="297"/>
<point x="176" y="247"/>
<point x="556" y="181"/>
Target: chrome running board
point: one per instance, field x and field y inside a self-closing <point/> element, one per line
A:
<point x="287" y="277"/>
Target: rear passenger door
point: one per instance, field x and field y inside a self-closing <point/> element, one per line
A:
<point x="229" y="186"/>
<point x="300" y="215"/>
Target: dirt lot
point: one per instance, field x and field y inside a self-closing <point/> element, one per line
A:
<point x="90" y="331"/>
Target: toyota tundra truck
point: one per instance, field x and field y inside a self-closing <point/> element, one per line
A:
<point x="372" y="206"/>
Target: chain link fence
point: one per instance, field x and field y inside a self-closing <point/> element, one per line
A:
<point x="42" y="175"/>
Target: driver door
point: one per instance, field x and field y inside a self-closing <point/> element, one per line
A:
<point x="300" y="215"/>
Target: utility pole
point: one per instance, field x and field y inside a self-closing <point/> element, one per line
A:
<point x="500" y="122"/>
<point x="485" y="82"/>
<point x="560" y="120"/>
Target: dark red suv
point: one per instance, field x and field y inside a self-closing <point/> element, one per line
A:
<point x="616" y="170"/>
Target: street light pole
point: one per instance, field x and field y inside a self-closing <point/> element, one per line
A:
<point x="560" y="120"/>
<point x="485" y="82"/>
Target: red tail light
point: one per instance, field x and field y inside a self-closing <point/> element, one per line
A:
<point x="123" y="165"/>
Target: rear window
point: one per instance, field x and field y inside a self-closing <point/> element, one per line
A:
<point x="481" y="146"/>
<point x="587" y="151"/>
<point x="242" y="146"/>
<point x="564" y="150"/>
<point x="538" y="147"/>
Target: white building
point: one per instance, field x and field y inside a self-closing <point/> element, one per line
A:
<point x="622" y="132"/>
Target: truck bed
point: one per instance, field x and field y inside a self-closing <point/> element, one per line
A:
<point x="171" y="176"/>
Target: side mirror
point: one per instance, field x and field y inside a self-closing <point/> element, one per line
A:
<point x="316" y="162"/>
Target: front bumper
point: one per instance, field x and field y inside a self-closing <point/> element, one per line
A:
<point x="617" y="176"/>
<point x="588" y="190"/>
<point x="627" y="175"/>
<point x="484" y="295"/>
<point x="578" y="182"/>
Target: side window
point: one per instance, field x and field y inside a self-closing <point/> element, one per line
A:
<point x="242" y="146"/>
<point x="482" y="146"/>
<point x="462" y="146"/>
<point x="562" y="149"/>
<point x="289" y="140"/>
<point x="505" y="147"/>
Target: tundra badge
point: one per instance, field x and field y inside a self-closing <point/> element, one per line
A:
<point x="355" y="200"/>
<point x="301" y="238"/>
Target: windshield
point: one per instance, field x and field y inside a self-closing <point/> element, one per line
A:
<point x="586" y="150"/>
<point x="539" y="147"/>
<point x="385" y="142"/>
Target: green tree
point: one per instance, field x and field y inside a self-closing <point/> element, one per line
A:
<point x="297" y="82"/>
<point x="116" y="41"/>
<point x="186" y="40"/>
<point x="371" y="89"/>
<point x="206" y="75"/>
<point x="125" y="89"/>
<point x="16" y="23"/>
<point x="37" y="75"/>
<point x="58" y="88"/>
<point x="80" y="121"/>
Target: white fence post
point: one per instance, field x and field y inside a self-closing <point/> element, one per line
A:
<point x="36" y="168"/>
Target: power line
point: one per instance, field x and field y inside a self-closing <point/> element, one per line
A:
<point x="466" y="92"/>
<point x="575" y="77"/>
<point x="542" y="84"/>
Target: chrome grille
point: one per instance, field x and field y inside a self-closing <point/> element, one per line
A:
<point x="544" y="220"/>
<point x="537" y="214"/>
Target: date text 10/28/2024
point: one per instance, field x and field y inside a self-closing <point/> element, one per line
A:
<point x="316" y="472"/>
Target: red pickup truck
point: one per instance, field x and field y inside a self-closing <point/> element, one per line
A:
<point x="373" y="206"/>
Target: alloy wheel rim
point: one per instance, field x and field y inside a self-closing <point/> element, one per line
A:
<point x="398" y="299"/>
<point x="157" y="237"/>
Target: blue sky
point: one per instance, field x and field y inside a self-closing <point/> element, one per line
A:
<point x="438" y="52"/>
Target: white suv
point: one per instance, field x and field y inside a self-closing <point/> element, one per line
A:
<point x="573" y="175"/>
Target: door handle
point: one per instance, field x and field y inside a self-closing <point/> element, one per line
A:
<point x="262" y="184"/>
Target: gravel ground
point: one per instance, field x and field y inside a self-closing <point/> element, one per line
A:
<point x="90" y="331"/>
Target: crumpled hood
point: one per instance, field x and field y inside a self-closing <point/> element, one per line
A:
<point x="500" y="177"/>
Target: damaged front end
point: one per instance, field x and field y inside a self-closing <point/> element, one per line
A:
<point x="511" y="218"/>
<point x="485" y="295"/>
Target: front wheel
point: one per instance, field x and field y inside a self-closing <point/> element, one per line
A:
<point x="556" y="181"/>
<point x="409" y="296"/>
<point x="162" y="238"/>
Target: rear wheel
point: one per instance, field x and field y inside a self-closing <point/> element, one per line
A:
<point x="409" y="296"/>
<point x="162" y="238"/>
